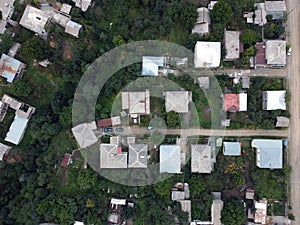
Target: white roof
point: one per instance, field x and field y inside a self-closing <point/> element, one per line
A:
<point x="84" y="134"/>
<point x="243" y="102"/>
<point x="34" y="19"/>
<point x="274" y="100"/>
<point x="276" y="52"/>
<point x="136" y="102"/>
<point x="177" y="101"/>
<point x="207" y="54"/>
<point x="111" y="158"/>
<point x="202" y="25"/>
<point x="83" y="4"/>
<point x="3" y="149"/>
<point x="73" y="28"/>
<point x="2" y="26"/>
<point x="65" y="8"/>
<point x="118" y="201"/>
<point x="10" y="67"/>
<point x="260" y="14"/>
<point x="232" y="44"/>
<point x="150" y="65"/>
<point x="169" y="159"/>
<point x="201" y="159"/>
<point x="138" y="156"/>
<point x="6" y="8"/>
<point x="116" y="120"/>
<point x="16" y="130"/>
<point x="78" y="223"/>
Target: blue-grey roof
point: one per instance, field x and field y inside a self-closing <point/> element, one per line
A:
<point x="9" y="67"/>
<point x="150" y="65"/>
<point x="169" y="159"/>
<point x="232" y="148"/>
<point x="16" y="130"/>
<point x="268" y="153"/>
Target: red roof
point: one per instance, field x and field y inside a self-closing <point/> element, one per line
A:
<point x="66" y="160"/>
<point x="231" y="102"/>
<point x="119" y="150"/>
<point x="104" y="122"/>
<point x="260" y="57"/>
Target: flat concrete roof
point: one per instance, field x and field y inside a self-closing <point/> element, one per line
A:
<point x="177" y="101"/>
<point x="232" y="44"/>
<point x="201" y="158"/>
<point x="207" y="54"/>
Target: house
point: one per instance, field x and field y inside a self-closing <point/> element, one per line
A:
<point x="232" y="45"/>
<point x="216" y="210"/>
<point x="66" y="160"/>
<point x="78" y="223"/>
<point x="225" y="122"/>
<point x="111" y="156"/>
<point x="211" y="4"/>
<point x="249" y="17"/>
<point x="232" y="148"/>
<point x="3" y="24"/>
<point x="235" y="102"/>
<point x="282" y="121"/>
<point x="260" y="216"/>
<point x="276" y="9"/>
<point x="276" y="53"/>
<point x="65" y="8"/>
<point x="169" y="156"/>
<point x="61" y="19"/>
<point x="138" y="156"/>
<point x="178" y="101"/>
<point x="114" y="216"/>
<point x="201" y="27"/>
<point x="83" y="4"/>
<point x="250" y="194"/>
<point x="181" y="194"/>
<point x="11" y="68"/>
<point x="14" y="49"/>
<point x="260" y="17"/>
<point x="22" y="115"/>
<point x="136" y="102"/>
<point x="84" y="134"/>
<point x="108" y="122"/>
<point x="152" y="64"/>
<point x="203" y="158"/>
<point x="6" y="9"/>
<point x="207" y="54"/>
<point x="268" y="153"/>
<point x="4" y="150"/>
<point x="203" y="82"/>
<point x="260" y="56"/>
<point x="245" y="82"/>
<point x="274" y="100"/>
<point x="35" y="20"/>
<point x="73" y="28"/>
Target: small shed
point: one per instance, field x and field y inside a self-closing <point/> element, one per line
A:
<point x="232" y="148"/>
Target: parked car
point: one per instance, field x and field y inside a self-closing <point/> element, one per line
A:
<point x="108" y="129"/>
<point x="289" y="52"/>
<point x="119" y="129"/>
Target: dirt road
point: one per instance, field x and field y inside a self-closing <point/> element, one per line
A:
<point x="293" y="27"/>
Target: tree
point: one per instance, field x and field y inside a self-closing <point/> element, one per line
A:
<point x="35" y="48"/>
<point x="233" y="213"/>
<point x="87" y="178"/>
<point x="21" y="88"/>
<point x="5" y="43"/>
<point x="163" y="189"/>
<point x="173" y="119"/>
<point x="248" y="37"/>
<point x="197" y="185"/>
<point x="221" y="12"/>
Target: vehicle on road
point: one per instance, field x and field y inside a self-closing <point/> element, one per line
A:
<point x="119" y="129"/>
<point x="108" y="129"/>
<point x="289" y="52"/>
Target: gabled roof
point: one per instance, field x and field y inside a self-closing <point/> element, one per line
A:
<point x="151" y="64"/>
<point x="34" y="19"/>
<point x="177" y="101"/>
<point x="65" y="8"/>
<point x="201" y="158"/>
<point x="6" y="8"/>
<point x="3" y="150"/>
<point x="207" y="54"/>
<point x="232" y="44"/>
<point x="73" y="28"/>
<point x="235" y="102"/>
<point x="66" y="160"/>
<point x="136" y="102"/>
<point x="282" y="121"/>
<point x="138" y="156"/>
<point x="16" y="130"/>
<point x="260" y="14"/>
<point x="83" y="4"/>
<point x="84" y="134"/>
<point x="202" y="25"/>
<point x="275" y="8"/>
<point x="232" y="148"/>
<point x="268" y="153"/>
<point x="274" y="100"/>
<point x="112" y="157"/>
<point x="276" y="52"/>
<point x="169" y="159"/>
<point x="104" y="122"/>
<point x="260" y="57"/>
<point x="10" y="67"/>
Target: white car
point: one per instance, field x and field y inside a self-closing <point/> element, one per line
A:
<point x="289" y="52"/>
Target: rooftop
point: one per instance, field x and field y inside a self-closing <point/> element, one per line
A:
<point x="111" y="156"/>
<point x="245" y="82"/>
<point x="261" y="211"/>
<point x="268" y="153"/>
<point x="282" y="121"/>
<point x="260" y="57"/>
<point x="104" y="122"/>
<point x="6" y="8"/>
<point x="275" y="8"/>
<point x="274" y="100"/>
<point x="177" y="101"/>
<point x="202" y="25"/>
<point x="203" y="82"/>
<point x="232" y="148"/>
<point x="65" y="8"/>
<point x="83" y="4"/>
<point x="73" y="28"/>
<point x="3" y="150"/>
<point x="202" y="160"/>
<point x="260" y="14"/>
<point x="276" y="52"/>
<point x="84" y="134"/>
<point x="232" y="45"/>
<point x="3" y="24"/>
<point x="235" y="102"/>
<point x="138" y="156"/>
<point x="136" y="102"/>
<point x="16" y="130"/>
<point x="216" y="210"/>
<point x="10" y="67"/>
<point x="34" y="19"/>
<point x="169" y="159"/>
<point x="66" y="160"/>
<point x="151" y="64"/>
<point x="207" y="54"/>
<point x="14" y="49"/>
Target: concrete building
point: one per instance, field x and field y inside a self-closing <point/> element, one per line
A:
<point x="83" y="4"/>
<point x="111" y="156"/>
<point x="260" y="216"/>
<point x="152" y="64"/>
<point x="274" y="100"/>
<point x="276" y="53"/>
<point x="276" y="9"/>
<point x="207" y="54"/>
<point x="73" y="28"/>
<point x="11" y="68"/>
<point x="178" y="101"/>
<point x="138" y="156"/>
<point x="201" y="27"/>
<point x="203" y="157"/>
<point x="282" y="121"/>
<point x="260" y="14"/>
<point x="6" y="9"/>
<point x="232" y="45"/>
<point x="136" y="102"/>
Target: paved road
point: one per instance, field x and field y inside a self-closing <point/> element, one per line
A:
<point x="293" y="27"/>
